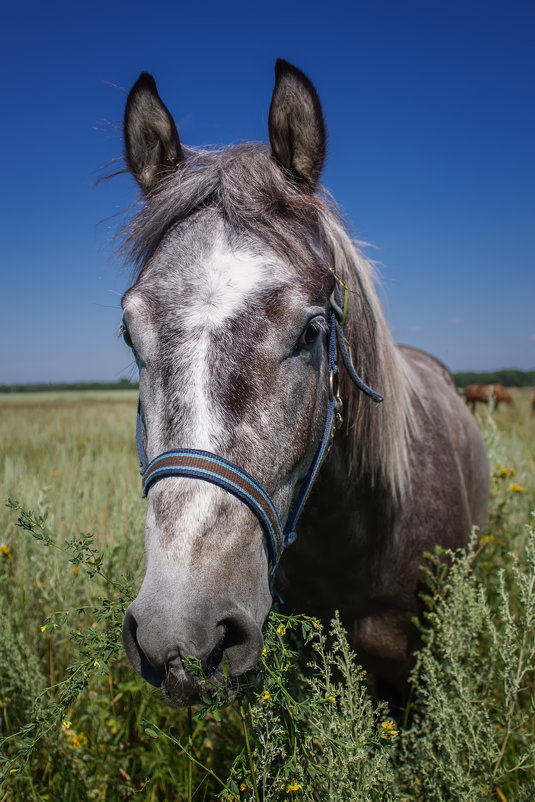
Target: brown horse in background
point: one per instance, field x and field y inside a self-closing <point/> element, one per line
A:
<point x="485" y="393"/>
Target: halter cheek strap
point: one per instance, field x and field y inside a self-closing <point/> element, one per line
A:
<point x="195" y="464"/>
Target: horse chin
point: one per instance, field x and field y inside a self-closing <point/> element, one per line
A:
<point x="180" y="689"/>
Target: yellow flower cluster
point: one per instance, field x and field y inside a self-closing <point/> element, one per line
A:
<point x="503" y="473"/>
<point x="518" y="488"/>
<point x="77" y="740"/>
<point x="5" y="551"/>
<point x="388" y="729"/>
<point x="281" y="630"/>
<point x="292" y="787"/>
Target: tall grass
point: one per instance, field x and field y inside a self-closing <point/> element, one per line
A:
<point x="76" y="723"/>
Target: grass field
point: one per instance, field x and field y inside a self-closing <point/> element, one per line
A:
<point x="76" y="723"/>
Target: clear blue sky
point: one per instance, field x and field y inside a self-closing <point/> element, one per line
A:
<point x="430" y="112"/>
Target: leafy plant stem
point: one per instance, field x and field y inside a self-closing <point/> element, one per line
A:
<point x="249" y="754"/>
<point x="520" y="672"/>
<point x="190" y="749"/>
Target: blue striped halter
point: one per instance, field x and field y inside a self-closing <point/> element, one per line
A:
<point x="196" y="464"/>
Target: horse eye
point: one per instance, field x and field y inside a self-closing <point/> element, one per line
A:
<point x="310" y="334"/>
<point x="126" y="336"/>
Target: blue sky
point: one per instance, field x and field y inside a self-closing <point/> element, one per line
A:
<point x="431" y="118"/>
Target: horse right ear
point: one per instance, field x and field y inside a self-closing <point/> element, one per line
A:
<point x="296" y="126"/>
<point x="152" y="145"/>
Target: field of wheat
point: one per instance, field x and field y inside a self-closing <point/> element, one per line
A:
<point x="76" y="723"/>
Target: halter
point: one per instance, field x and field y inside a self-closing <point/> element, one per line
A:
<point x="195" y="464"/>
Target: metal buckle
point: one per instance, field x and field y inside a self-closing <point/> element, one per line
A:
<point x="333" y="385"/>
<point x="334" y="395"/>
<point x="338" y="417"/>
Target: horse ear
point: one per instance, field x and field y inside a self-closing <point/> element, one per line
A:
<point x="296" y="126"/>
<point x="152" y="146"/>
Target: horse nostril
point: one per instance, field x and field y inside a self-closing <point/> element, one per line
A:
<point x="215" y="658"/>
<point x="239" y="646"/>
<point x="136" y="655"/>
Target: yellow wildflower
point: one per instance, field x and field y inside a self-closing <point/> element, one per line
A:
<point x="43" y="627"/>
<point x="266" y="695"/>
<point x="501" y="472"/>
<point x="388" y="729"/>
<point x="66" y="725"/>
<point x="518" y="488"/>
<point x="244" y="787"/>
<point x="96" y="664"/>
<point x="112" y="726"/>
<point x="264" y="652"/>
<point x="281" y="630"/>
<point x="293" y="786"/>
<point x="6" y="551"/>
<point x="78" y="740"/>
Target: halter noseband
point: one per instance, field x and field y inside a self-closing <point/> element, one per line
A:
<point x="194" y="464"/>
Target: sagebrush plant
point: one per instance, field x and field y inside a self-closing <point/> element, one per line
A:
<point x="76" y="723"/>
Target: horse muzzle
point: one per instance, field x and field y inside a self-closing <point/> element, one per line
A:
<point x="190" y="658"/>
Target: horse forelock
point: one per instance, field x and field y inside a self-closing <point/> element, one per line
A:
<point x="260" y="207"/>
<point x="247" y="188"/>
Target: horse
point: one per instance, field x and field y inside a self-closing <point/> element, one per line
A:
<point x="485" y="393"/>
<point x="263" y="358"/>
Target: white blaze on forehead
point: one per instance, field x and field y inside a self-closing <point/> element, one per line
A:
<point x="226" y="281"/>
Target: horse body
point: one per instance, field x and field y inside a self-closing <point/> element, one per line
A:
<point x="485" y="393"/>
<point x="360" y="547"/>
<point x="238" y="256"/>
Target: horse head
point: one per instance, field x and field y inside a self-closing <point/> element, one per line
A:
<point x="228" y="320"/>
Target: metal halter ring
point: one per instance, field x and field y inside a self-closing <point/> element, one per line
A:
<point x="334" y="385"/>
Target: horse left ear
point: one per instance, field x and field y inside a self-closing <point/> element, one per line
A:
<point x="152" y="145"/>
<point x="296" y="126"/>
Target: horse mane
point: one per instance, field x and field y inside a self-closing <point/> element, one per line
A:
<point x="378" y="435"/>
<point x="257" y="200"/>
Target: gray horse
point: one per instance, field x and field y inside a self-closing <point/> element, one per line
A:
<point x="242" y="267"/>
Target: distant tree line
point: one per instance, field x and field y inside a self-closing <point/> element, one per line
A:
<point x="509" y="377"/>
<point x="122" y="384"/>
